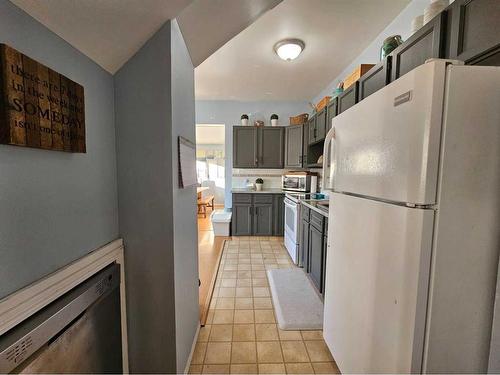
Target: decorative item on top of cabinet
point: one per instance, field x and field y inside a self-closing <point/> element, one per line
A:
<point x="322" y="103"/>
<point x="355" y="75"/>
<point x="299" y="119"/>
<point x="348" y="98"/>
<point x="376" y="78"/>
<point x="474" y="31"/>
<point x="244" y="120"/>
<point x="274" y="119"/>
<point x="426" y="43"/>
<point x="390" y="44"/>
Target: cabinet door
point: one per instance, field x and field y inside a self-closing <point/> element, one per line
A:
<point x="263" y="219"/>
<point x="475" y="36"/>
<point x="316" y="256"/>
<point x="321" y="125"/>
<point x="323" y="265"/>
<point x="242" y="219"/>
<point x="331" y="113"/>
<point x="305" y="144"/>
<point x="271" y="147"/>
<point x="426" y="43"/>
<point x="245" y="147"/>
<point x="294" y="138"/>
<point x="304" y="244"/>
<point x="312" y="129"/>
<point x="376" y="78"/>
<point x="348" y="98"/>
<point x="279" y="215"/>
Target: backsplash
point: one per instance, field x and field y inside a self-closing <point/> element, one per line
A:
<point x="271" y="177"/>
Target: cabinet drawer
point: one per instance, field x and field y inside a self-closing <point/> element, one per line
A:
<point x="262" y="198"/>
<point x="317" y="220"/>
<point x="304" y="212"/>
<point x="242" y="198"/>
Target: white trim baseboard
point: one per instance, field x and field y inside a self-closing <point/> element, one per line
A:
<point x="188" y="363"/>
<point x="20" y="305"/>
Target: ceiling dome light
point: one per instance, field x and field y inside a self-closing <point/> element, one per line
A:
<point x="289" y="49"/>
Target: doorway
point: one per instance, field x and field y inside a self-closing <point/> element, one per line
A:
<point x="210" y="170"/>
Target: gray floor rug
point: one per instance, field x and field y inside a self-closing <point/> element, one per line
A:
<point x="297" y="305"/>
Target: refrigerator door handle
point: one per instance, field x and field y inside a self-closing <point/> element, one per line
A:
<point x="328" y="166"/>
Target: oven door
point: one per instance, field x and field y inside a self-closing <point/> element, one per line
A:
<point x="291" y="229"/>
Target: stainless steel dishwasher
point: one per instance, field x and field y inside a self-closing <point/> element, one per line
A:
<point x="78" y="333"/>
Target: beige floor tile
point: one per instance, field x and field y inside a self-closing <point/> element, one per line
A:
<point x="318" y="351"/>
<point x="243" y="316"/>
<point x="259" y="274"/>
<point x="299" y="368"/>
<point x="264" y="316"/>
<point x="227" y="292"/>
<point x="215" y="293"/>
<point x="244" y="283"/>
<point x="218" y="353"/>
<point x="243" y="332"/>
<point x="244" y="267"/>
<point x="244" y="274"/>
<point x="195" y="369"/>
<point x="229" y="274"/>
<point x="258" y="267"/>
<point x="289" y="335"/>
<point x="243" y="352"/>
<point x="266" y="332"/>
<point x="262" y="303"/>
<point x="231" y="261"/>
<point x="223" y="317"/>
<point x="294" y="351"/>
<point x="228" y="283"/>
<point x="312" y="335"/>
<point x="269" y="352"/>
<point x="244" y="303"/>
<point x="199" y="353"/>
<point x="213" y="303"/>
<point x="244" y="369"/>
<point x="210" y="316"/>
<point x="243" y="292"/>
<point x="272" y="368"/>
<point x="221" y="332"/>
<point x="244" y="261"/>
<point x="230" y="267"/>
<point x="216" y="369"/>
<point x="204" y="333"/>
<point x="261" y="291"/>
<point x="325" y="368"/>
<point x="225" y="303"/>
<point x="259" y="282"/>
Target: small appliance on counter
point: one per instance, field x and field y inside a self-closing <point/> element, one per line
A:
<point x="297" y="181"/>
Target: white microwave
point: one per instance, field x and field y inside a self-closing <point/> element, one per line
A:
<point x="296" y="182"/>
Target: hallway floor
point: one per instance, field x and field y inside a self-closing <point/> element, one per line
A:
<point x="209" y="250"/>
<point x="241" y="334"/>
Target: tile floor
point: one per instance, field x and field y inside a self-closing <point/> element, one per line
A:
<point x="241" y="335"/>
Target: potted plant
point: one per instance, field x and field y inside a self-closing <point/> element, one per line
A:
<point x="274" y="119"/>
<point x="258" y="184"/>
<point x="244" y="120"/>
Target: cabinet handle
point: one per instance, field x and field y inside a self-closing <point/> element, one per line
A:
<point x="256" y="161"/>
<point x="256" y="211"/>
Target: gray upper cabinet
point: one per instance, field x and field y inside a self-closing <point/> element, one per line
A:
<point x="271" y="147"/>
<point x="311" y="124"/>
<point x="348" y="98"/>
<point x="245" y="152"/>
<point x="475" y="31"/>
<point x="426" y="43"/>
<point x="376" y="78"/>
<point x="317" y="127"/>
<point x="331" y="112"/>
<point x="294" y="142"/>
<point x="258" y="147"/>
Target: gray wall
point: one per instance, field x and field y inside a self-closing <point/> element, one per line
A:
<point x="371" y="55"/>
<point x="144" y="141"/>
<point x="184" y="203"/>
<point x="228" y="112"/>
<point x="55" y="207"/>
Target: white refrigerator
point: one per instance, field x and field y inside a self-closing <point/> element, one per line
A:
<point x="414" y="228"/>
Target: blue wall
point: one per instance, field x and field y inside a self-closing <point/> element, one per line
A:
<point x="55" y="207"/>
<point x="228" y="112"/>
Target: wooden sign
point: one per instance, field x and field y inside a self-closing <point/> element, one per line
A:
<point x="39" y="107"/>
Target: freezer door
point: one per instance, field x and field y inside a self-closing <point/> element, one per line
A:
<point x="387" y="146"/>
<point x="376" y="285"/>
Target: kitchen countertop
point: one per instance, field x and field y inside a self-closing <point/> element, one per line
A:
<point x="313" y="205"/>
<point x="263" y="191"/>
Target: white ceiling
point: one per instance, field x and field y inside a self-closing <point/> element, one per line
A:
<point x="335" y="32"/>
<point x="207" y="24"/>
<point x="107" y="31"/>
<point x="210" y="134"/>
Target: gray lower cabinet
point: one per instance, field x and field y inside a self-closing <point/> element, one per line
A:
<point x="315" y="255"/>
<point x="242" y="219"/>
<point x="304" y="244"/>
<point x="257" y="214"/>
<point x="258" y="147"/>
<point x="294" y="146"/>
